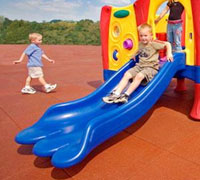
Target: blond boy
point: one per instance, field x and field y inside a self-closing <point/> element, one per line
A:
<point x="35" y="54"/>
<point x="145" y="70"/>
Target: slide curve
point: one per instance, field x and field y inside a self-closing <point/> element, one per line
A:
<point x="69" y="131"/>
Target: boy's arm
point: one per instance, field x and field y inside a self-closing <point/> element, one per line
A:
<point x="169" y="51"/>
<point x="20" y="59"/>
<point x="45" y="57"/>
<point x="134" y="55"/>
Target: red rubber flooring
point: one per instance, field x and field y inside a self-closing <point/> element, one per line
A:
<point x="162" y="145"/>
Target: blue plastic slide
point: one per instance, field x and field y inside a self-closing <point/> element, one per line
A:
<point x="68" y="132"/>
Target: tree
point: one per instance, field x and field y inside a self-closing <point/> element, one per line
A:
<point x="54" y="32"/>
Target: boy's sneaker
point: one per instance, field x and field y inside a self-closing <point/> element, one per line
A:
<point x="50" y="87"/>
<point x="28" y="90"/>
<point x="122" y="99"/>
<point x="110" y="98"/>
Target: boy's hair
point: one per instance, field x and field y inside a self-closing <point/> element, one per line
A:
<point x="33" y="36"/>
<point x="145" y="26"/>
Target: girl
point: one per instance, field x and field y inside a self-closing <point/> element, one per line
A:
<point x="174" y="26"/>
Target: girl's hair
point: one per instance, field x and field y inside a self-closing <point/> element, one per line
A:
<point x="145" y="26"/>
<point x="33" y="36"/>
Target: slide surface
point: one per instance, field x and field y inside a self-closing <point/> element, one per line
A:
<point x="68" y="132"/>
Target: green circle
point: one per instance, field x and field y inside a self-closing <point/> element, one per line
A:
<point x="121" y="13"/>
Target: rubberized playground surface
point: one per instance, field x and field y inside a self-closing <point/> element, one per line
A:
<point x="163" y="145"/>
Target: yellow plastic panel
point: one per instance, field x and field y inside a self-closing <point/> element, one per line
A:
<point x="161" y="27"/>
<point x="121" y="29"/>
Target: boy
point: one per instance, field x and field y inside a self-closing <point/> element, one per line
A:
<point x="145" y="70"/>
<point x="35" y="54"/>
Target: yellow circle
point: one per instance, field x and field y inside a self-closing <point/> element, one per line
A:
<point x="115" y="32"/>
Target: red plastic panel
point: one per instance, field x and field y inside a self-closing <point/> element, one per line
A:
<point x="104" y="26"/>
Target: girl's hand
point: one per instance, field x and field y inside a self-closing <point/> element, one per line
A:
<point x="156" y="21"/>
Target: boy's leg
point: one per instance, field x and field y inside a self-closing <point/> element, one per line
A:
<point x="48" y="87"/>
<point x="28" y="89"/>
<point x="123" y="83"/>
<point x="136" y="82"/>
<point x="117" y="91"/>
<point x="28" y="81"/>
<point x="129" y="74"/>
<point x="142" y="77"/>
<point x="42" y="81"/>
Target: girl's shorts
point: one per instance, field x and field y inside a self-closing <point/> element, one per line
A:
<point x="35" y="72"/>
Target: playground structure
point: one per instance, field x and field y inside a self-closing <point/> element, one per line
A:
<point x="69" y="131"/>
<point x="118" y="28"/>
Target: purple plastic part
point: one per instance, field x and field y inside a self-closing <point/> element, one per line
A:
<point x="162" y="61"/>
<point x="128" y="44"/>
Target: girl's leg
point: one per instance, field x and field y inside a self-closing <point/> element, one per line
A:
<point x="170" y="37"/>
<point x="177" y="36"/>
<point x="136" y="82"/>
